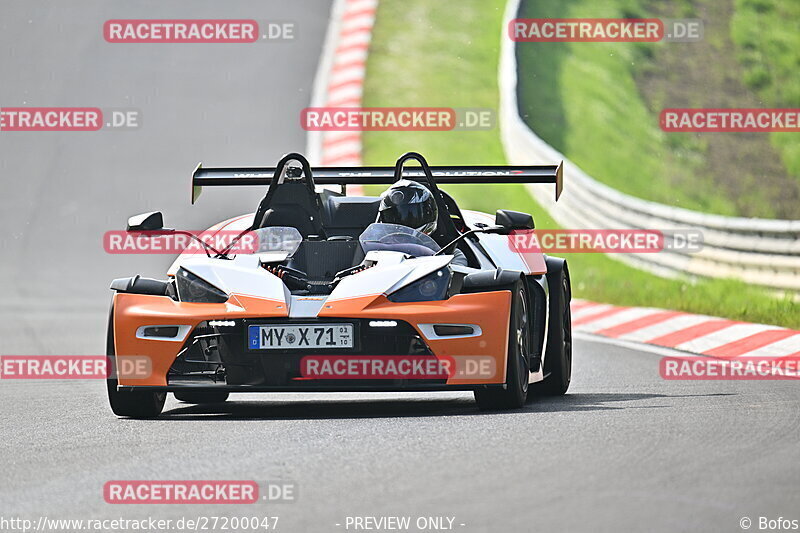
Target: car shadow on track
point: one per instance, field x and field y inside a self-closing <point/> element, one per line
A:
<point x="409" y="408"/>
<point x="607" y="401"/>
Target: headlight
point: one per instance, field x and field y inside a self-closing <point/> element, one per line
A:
<point x="432" y="287"/>
<point x="193" y="289"/>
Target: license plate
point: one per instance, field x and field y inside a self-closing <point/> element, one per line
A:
<point x="300" y="336"/>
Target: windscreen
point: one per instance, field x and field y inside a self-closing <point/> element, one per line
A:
<point x="397" y="238"/>
<point x="281" y="239"/>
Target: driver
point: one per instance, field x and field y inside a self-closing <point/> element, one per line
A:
<point x="411" y="204"/>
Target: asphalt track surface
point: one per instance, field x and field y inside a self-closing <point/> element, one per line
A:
<point x="625" y="450"/>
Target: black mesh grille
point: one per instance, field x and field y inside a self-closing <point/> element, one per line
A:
<point x="220" y="355"/>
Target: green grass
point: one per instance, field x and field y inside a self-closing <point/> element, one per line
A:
<point x="767" y="36"/>
<point x="598" y="103"/>
<point x="429" y="54"/>
<point x="425" y="54"/>
<point x="582" y="98"/>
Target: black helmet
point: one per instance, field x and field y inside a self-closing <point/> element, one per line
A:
<point x="410" y="204"/>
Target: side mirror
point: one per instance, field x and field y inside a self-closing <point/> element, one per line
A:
<point x="146" y="222"/>
<point x="513" y="220"/>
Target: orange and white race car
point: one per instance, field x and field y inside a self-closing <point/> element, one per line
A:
<point x="330" y="300"/>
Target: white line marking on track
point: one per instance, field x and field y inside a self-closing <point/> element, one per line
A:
<point x="722" y="336"/>
<point x="780" y="348"/>
<point x="671" y="325"/>
<point x="628" y="315"/>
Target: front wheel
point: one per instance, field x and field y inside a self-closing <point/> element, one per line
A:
<point x="135" y="404"/>
<point x="516" y="386"/>
<point x="132" y="404"/>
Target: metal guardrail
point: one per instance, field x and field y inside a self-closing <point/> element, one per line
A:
<point x="760" y="251"/>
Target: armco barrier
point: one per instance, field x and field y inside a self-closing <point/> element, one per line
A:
<point x="761" y="251"/>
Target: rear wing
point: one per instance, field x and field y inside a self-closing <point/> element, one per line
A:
<point x="487" y="174"/>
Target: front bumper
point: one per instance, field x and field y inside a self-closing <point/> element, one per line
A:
<point x="217" y="357"/>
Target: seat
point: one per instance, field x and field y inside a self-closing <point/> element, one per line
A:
<point x="291" y="206"/>
<point x="289" y="215"/>
<point x="350" y="215"/>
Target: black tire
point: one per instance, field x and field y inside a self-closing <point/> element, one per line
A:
<point x="201" y="397"/>
<point x="136" y="404"/>
<point x="558" y="356"/>
<point x="515" y="393"/>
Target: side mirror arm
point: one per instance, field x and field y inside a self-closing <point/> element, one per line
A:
<point x="500" y="230"/>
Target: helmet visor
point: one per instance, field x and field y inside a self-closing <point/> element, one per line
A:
<point x="418" y="215"/>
